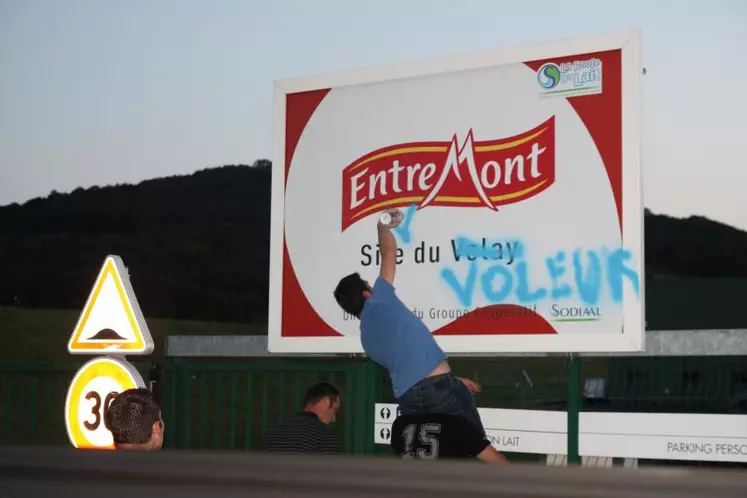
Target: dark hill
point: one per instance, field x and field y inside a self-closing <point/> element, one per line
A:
<point x="197" y="245"/>
<point x="694" y="246"/>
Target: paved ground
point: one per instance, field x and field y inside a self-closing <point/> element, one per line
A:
<point x="40" y="472"/>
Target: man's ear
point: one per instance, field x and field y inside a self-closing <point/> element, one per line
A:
<point x="366" y="294"/>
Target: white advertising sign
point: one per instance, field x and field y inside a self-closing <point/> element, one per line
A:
<point x="658" y="436"/>
<point x="519" y="173"/>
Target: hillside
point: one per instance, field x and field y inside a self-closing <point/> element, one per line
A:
<point x="197" y="245"/>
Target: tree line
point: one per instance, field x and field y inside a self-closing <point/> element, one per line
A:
<point x="198" y="245"/>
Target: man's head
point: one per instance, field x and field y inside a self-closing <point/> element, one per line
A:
<point x="323" y="400"/>
<point x="351" y="294"/>
<point x="134" y="419"/>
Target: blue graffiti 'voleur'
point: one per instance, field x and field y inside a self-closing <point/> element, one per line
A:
<point x="498" y="282"/>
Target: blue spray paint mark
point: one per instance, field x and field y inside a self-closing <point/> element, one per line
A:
<point x="464" y="293"/>
<point x="589" y="285"/>
<point x="486" y="249"/>
<point x="616" y="269"/>
<point x="523" y="294"/>
<point x="498" y="281"/>
<point x="468" y="249"/>
<point x="556" y="269"/>
<point x="493" y="295"/>
<point x="403" y="230"/>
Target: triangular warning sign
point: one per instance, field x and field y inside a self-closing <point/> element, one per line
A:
<point x="111" y="321"/>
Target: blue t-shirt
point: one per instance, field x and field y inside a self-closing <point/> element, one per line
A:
<point x="396" y="339"/>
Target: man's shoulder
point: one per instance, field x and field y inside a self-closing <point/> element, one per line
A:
<point x="383" y="291"/>
<point x="376" y="313"/>
<point x="384" y="300"/>
<point x="382" y="285"/>
<point x="299" y="426"/>
<point x="298" y="421"/>
<point x="326" y="429"/>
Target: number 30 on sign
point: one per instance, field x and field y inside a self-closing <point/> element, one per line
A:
<point x="92" y="390"/>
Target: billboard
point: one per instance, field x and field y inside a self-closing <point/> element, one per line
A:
<point x="519" y="173"/>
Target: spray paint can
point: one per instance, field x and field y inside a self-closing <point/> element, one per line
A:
<point x="386" y="218"/>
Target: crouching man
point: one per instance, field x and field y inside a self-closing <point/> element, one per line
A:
<point x="135" y="421"/>
<point x="435" y="435"/>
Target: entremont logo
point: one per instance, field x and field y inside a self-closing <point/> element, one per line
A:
<point x="475" y="174"/>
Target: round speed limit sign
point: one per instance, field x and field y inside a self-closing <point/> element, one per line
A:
<point x="92" y="390"/>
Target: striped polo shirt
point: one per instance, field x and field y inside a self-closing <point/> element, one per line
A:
<point x="303" y="433"/>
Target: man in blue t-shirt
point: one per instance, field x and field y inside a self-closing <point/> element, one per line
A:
<point x="399" y="341"/>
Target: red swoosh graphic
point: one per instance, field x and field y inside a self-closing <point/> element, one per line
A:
<point x="498" y="319"/>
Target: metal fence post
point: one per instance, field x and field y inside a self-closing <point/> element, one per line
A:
<point x="164" y="390"/>
<point x="573" y="380"/>
<point x="361" y="408"/>
<point x="183" y="382"/>
<point x="176" y="403"/>
<point x="373" y="391"/>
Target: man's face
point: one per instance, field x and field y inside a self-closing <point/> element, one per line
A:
<point x="332" y="407"/>
<point x="156" y="440"/>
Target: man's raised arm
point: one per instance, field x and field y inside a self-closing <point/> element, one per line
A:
<point x="388" y="246"/>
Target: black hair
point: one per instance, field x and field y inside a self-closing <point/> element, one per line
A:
<point x="131" y="415"/>
<point x="319" y="391"/>
<point x="349" y="294"/>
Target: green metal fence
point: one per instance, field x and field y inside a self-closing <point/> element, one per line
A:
<point x="228" y="405"/>
<point x="32" y="401"/>
<point x="215" y="404"/>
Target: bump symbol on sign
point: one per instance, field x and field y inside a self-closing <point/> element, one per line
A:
<point x="386" y="413"/>
<point x="385" y="434"/>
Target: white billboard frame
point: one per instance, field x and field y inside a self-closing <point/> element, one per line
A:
<point x="631" y="338"/>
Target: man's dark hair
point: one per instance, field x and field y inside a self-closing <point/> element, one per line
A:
<point x="131" y="415"/>
<point x="349" y="294"/>
<point x="319" y="391"/>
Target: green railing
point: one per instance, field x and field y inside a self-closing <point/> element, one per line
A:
<point x="229" y="405"/>
<point x="32" y="401"/>
<point x="214" y="404"/>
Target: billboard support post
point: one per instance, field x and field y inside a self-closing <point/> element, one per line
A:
<point x="573" y="395"/>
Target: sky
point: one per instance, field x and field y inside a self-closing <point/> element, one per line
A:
<point x="97" y="92"/>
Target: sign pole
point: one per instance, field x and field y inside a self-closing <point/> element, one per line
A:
<point x="573" y="395"/>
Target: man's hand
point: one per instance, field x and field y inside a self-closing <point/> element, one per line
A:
<point x="473" y="386"/>
<point x="396" y="216"/>
<point x="491" y="455"/>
